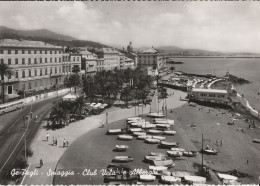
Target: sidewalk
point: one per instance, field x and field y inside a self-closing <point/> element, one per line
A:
<point x="51" y="154"/>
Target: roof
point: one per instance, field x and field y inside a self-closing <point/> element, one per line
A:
<point x="108" y="51"/>
<point x="26" y="43"/>
<point x="128" y="59"/>
<point x="209" y="90"/>
<point x="150" y="51"/>
<point x="85" y="52"/>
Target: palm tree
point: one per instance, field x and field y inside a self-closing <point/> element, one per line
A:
<point x="127" y="94"/>
<point x="74" y="81"/>
<point x="75" y="69"/>
<point x="59" y="113"/>
<point x="5" y="70"/>
<point x="79" y="106"/>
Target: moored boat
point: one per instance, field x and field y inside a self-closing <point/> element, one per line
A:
<point x="125" y="137"/>
<point x="143" y="137"/>
<point x="195" y="179"/>
<point x="121" y="147"/>
<point x="256" y="140"/>
<point x="157" y="154"/>
<point x="135" y="129"/>
<point x="164" y="121"/>
<point x="115" y="131"/>
<point x="157" y="158"/>
<point x="123" y="159"/>
<point x="170" y="179"/>
<point x="156" y="115"/>
<point x="148" y="126"/>
<point x="158" y="168"/>
<point x="164" y="126"/>
<point x="152" y="141"/>
<point x="174" y="153"/>
<point x="169" y="132"/>
<point x="167" y="144"/>
<point x="147" y="177"/>
<point x="153" y="131"/>
<point x="139" y="133"/>
<point x="209" y="151"/>
<point x="190" y="153"/>
<point x="158" y="137"/>
<point x="166" y="163"/>
<point x="178" y="149"/>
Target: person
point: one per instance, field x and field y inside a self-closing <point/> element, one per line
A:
<point x="221" y="142"/>
<point x="67" y="143"/>
<point x="56" y="141"/>
<point x="64" y="141"/>
<point x="35" y="117"/>
<point x="41" y="163"/>
<point x="247" y="161"/>
<point x="47" y="136"/>
<point x="207" y="147"/>
<point x="53" y="141"/>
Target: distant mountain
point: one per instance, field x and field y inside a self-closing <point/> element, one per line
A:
<point x="46" y="36"/>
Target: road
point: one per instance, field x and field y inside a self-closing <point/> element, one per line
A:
<point x="12" y="128"/>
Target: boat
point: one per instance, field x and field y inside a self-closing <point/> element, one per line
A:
<point x="195" y="180"/>
<point x="148" y="126"/>
<point x="156" y="115"/>
<point x="123" y="159"/>
<point x="169" y="132"/>
<point x="164" y="121"/>
<point x="162" y="126"/>
<point x="157" y="154"/>
<point x="115" y="131"/>
<point x="157" y="158"/>
<point x="226" y="177"/>
<point x="174" y="153"/>
<point x="139" y="133"/>
<point x="170" y="179"/>
<point x="121" y="147"/>
<point x="210" y="151"/>
<point x="134" y="118"/>
<point x="158" y="137"/>
<point x="147" y="177"/>
<point x="153" y="131"/>
<point x="190" y="153"/>
<point x="135" y="129"/>
<point x="152" y="141"/>
<point x="143" y="137"/>
<point x="180" y="174"/>
<point x="178" y="149"/>
<point x="125" y="137"/>
<point x="167" y="144"/>
<point x="158" y="168"/>
<point x="166" y="163"/>
<point x="123" y="178"/>
<point x="116" y="167"/>
<point x="256" y="140"/>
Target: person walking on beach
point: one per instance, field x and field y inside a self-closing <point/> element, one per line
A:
<point x="41" y="163"/>
<point x="221" y="142"/>
<point x="67" y="143"/>
<point x="53" y="141"/>
<point x="47" y="136"/>
<point x="64" y="142"/>
<point x="56" y="141"/>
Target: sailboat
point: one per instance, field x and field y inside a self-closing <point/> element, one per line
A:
<point x="154" y="110"/>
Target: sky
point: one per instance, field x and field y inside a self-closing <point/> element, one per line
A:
<point x="210" y="25"/>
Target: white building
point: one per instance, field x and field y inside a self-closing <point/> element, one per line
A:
<point x="215" y="95"/>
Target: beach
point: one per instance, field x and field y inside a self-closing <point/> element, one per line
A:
<point x="94" y="150"/>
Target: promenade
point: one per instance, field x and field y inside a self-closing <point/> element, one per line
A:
<point x="51" y="154"/>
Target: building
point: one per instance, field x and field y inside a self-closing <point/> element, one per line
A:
<point x="151" y="58"/>
<point x="75" y="60"/>
<point x="214" y="95"/>
<point x="36" y="65"/>
<point x="89" y="61"/>
<point x="110" y="58"/>
<point x="128" y="63"/>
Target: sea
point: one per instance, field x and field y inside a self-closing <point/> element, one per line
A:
<point x="247" y="68"/>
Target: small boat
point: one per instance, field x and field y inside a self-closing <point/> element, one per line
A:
<point x="164" y="121"/>
<point x="158" y="168"/>
<point x="138" y="125"/>
<point x="226" y="177"/>
<point x="156" y="115"/>
<point x="170" y="179"/>
<point x="135" y="129"/>
<point x="167" y="144"/>
<point x="134" y="118"/>
<point x="256" y="140"/>
<point x="147" y="177"/>
<point x="148" y="126"/>
<point x="158" y="137"/>
<point x="190" y="153"/>
<point x="157" y="154"/>
<point x="121" y="147"/>
<point x="157" y="158"/>
<point x="195" y="179"/>
<point x="169" y="132"/>
<point x="123" y="159"/>
<point x="115" y="131"/>
<point x="166" y="163"/>
<point x="124" y="178"/>
<point x="174" y="153"/>
<point x="178" y="149"/>
<point x="152" y="141"/>
<point x="210" y="151"/>
<point x="163" y="126"/>
<point x="180" y="174"/>
<point x="153" y="131"/>
<point x="143" y="137"/>
<point x="125" y="137"/>
<point x="139" y="133"/>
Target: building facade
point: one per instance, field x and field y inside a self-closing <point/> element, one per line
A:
<point x="90" y="60"/>
<point x="214" y="95"/>
<point x="111" y="58"/>
<point x="151" y="58"/>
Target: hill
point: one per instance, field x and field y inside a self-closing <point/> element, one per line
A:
<point x="46" y="36"/>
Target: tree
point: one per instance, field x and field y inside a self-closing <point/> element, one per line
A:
<point x="127" y="94"/>
<point x="75" y="69"/>
<point x="60" y="113"/>
<point x="73" y="80"/>
<point x="79" y="106"/>
<point x="5" y="70"/>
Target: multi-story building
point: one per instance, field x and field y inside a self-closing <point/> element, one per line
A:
<point x="90" y="60"/>
<point x="111" y="58"/>
<point x="100" y="64"/>
<point x="151" y="58"/>
<point x="36" y="65"/>
<point x="215" y="95"/>
<point x="75" y="60"/>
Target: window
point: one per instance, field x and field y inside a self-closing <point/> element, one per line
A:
<point x="35" y="72"/>
<point x="40" y="60"/>
<point x="50" y="70"/>
<point x="59" y="52"/>
<point x="46" y="60"/>
<point x="23" y="74"/>
<point x="16" y="74"/>
<point x="46" y="71"/>
<point x="9" y="51"/>
<point x="9" y="76"/>
<point x="41" y="72"/>
<point x="50" y="60"/>
<point x="50" y="52"/>
<point x="73" y="58"/>
<point x="23" y="52"/>
<point x="2" y="61"/>
<point x="29" y="52"/>
<point x="16" y="61"/>
<point x="35" y="51"/>
<point x="9" y="61"/>
<point x="59" y="59"/>
<point x="77" y="58"/>
<point x="55" y="52"/>
<point x="55" y="70"/>
<point x="16" y="51"/>
<point x="29" y="61"/>
<point x="30" y="73"/>
<point x="23" y="61"/>
<point x="46" y="52"/>
<point x="55" y="60"/>
<point x="1" y="51"/>
<point x="40" y="51"/>
<point x="35" y="60"/>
